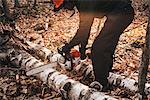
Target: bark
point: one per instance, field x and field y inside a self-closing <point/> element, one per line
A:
<point x="144" y="62"/>
<point x="127" y="83"/>
<point x="42" y="52"/>
<point x="69" y="88"/>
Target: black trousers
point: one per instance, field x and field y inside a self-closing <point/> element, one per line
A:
<point x="118" y="19"/>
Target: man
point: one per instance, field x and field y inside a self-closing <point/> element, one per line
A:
<point x="119" y="15"/>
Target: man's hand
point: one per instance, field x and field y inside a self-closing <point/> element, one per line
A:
<point x="65" y="52"/>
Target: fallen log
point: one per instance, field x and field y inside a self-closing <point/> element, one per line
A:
<point x="47" y="55"/>
<point x="69" y="88"/>
<point x="115" y="79"/>
<point x="127" y="83"/>
<point x="87" y="70"/>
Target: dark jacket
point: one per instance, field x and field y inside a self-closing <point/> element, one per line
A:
<point x="95" y="5"/>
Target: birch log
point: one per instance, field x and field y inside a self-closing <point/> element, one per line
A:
<point x="42" y="52"/>
<point x="116" y="79"/>
<point x="127" y="83"/>
<point x="74" y="91"/>
<point x="87" y="69"/>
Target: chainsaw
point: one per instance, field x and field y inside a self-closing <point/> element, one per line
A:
<point x="72" y="58"/>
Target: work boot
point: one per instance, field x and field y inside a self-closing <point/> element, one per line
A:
<point x="106" y="88"/>
<point x="96" y="85"/>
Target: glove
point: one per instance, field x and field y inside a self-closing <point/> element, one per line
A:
<point x="65" y="52"/>
<point x="82" y="51"/>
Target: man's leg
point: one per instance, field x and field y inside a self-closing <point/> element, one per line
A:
<point x="105" y="43"/>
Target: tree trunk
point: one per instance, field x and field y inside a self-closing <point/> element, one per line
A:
<point x="144" y="63"/>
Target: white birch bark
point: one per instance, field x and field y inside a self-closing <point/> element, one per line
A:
<point x="56" y="80"/>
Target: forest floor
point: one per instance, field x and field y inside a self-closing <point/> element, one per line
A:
<point x="31" y="25"/>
